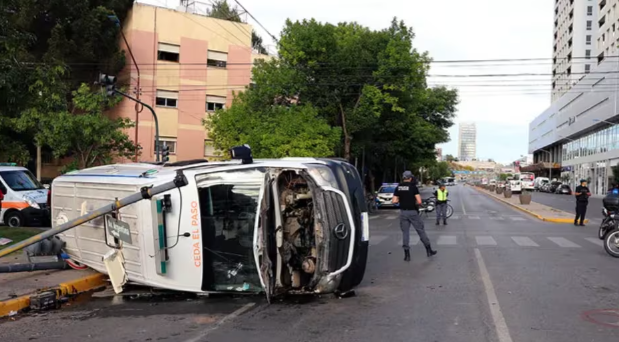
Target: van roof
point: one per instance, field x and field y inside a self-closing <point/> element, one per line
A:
<point x="11" y="168"/>
<point x="142" y="173"/>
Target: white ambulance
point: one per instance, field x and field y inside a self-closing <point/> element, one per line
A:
<point x="294" y="225"/>
<point x="25" y="199"/>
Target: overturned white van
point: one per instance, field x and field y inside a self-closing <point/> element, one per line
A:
<point x="273" y="226"/>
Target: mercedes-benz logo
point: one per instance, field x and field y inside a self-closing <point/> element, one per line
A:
<point x="340" y="231"/>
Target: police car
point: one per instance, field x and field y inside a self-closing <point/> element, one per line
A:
<point x="384" y="197"/>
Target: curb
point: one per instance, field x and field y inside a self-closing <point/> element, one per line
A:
<point x="539" y="217"/>
<point x="13" y="306"/>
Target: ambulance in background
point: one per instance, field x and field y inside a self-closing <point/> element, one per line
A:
<point x="24" y="200"/>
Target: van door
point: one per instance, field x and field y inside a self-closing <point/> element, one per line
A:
<point x="265" y="239"/>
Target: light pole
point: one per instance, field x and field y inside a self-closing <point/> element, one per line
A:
<point x="550" y="167"/>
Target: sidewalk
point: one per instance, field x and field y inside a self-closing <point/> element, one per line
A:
<point x="540" y="211"/>
<point x="16" y="288"/>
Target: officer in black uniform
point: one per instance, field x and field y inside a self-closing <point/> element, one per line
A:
<point x="407" y="195"/>
<point x="582" y="194"/>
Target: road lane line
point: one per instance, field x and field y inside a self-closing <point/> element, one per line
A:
<point x="462" y="204"/>
<point x="563" y="242"/>
<point x="524" y="241"/>
<point x="515" y="218"/>
<point x="500" y="325"/>
<point x="447" y="240"/>
<point x="596" y="241"/>
<point x="224" y="320"/>
<point x="485" y="240"/>
<point x="473" y="217"/>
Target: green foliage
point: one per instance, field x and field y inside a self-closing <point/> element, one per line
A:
<point x="369" y="85"/>
<point x="505" y="176"/>
<point x="92" y="137"/>
<point x="47" y="49"/>
<point x="222" y="10"/>
<point x="449" y="158"/>
<point x="275" y="132"/>
<point x="439" y="170"/>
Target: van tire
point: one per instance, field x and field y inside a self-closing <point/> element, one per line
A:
<point x="14" y="219"/>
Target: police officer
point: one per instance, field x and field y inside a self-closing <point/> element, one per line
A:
<point x="441" y="204"/>
<point x="407" y="195"/>
<point x="582" y="194"/>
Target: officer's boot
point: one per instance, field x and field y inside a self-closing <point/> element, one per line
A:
<point x="444" y="222"/>
<point x="438" y="222"/>
<point x="429" y="251"/>
<point x="407" y="255"/>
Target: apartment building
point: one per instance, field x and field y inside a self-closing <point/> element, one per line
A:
<point x="575" y="49"/>
<point x="467" y="141"/>
<point x="188" y="66"/>
<point x="608" y="25"/>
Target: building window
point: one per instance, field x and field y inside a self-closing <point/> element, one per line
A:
<point x="589" y="10"/>
<point x="587" y="54"/>
<point x="217" y="59"/>
<point x="167" y="141"/>
<point x="168" y="52"/>
<point x="588" y="39"/>
<point x="589" y="22"/>
<point x="209" y="148"/>
<point x="587" y="68"/>
<point x="215" y="102"/>
<point x="167" y="98"/>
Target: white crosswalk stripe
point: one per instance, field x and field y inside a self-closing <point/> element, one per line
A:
<point x="524" y="241"/>
<point x="497" y="218"/>
<point x="563" y="242"/>
<point x="485" y="240"/>
<point x="447" y="240"/>
<point x="516" y="218"/>
<point x="596" y="241"/>
<point x="473" y="217"/>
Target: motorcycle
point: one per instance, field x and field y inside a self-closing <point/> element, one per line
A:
<point x="608" y="223"/>
<point x="429" y="205"/>
<point x="611" y="243"/>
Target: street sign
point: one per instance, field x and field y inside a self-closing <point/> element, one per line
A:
<point x="118" y="229"/>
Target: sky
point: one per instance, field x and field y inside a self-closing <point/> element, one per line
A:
<point x="453" y="30"/>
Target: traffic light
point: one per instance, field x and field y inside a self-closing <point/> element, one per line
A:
<point x="165" y="153"/>
<point x="109" y="82"/>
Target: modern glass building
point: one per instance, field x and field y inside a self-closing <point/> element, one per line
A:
<point x="579" y="131"/>
<point x="467" y="141"/>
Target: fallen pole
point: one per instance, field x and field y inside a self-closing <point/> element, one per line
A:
<point x="38" y="266"/>
<point x="145" y="193"/>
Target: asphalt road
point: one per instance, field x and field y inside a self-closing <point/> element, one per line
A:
<point x="499" y="276"/>
<point x="568" y="203"/>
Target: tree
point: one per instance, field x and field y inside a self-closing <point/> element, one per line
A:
<point x="272" y="131"/>
<point x="449" y="158"/>
<point x="89" y="135"/>
<point x="439" y="170"/>
<point x="49" y="48"/>
<point x="222" y="10"/>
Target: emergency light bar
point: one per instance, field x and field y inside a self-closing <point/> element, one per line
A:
<point x="8" y="164"/>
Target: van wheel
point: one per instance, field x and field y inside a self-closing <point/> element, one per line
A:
<point x="14" y="219"/>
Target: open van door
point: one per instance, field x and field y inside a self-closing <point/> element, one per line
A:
<point x="265" y="240"/>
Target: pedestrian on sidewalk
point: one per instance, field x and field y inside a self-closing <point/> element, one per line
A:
<point x="582" y="194"/>
<point x="441" y="204"/>
<point x="407" y="195"/>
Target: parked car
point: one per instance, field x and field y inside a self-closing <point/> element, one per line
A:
<point x="563" y="189"/>
<point x="553" y="186"/>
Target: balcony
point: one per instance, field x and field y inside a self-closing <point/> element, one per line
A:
<point x="571" y="28"/>
<point x="602" y="21"/>
<point x="602" y="4"/>
<point x="572" y="14"/>
<point x="569" y="43"/>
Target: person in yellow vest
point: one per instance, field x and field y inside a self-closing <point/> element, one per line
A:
<point x="441" y="204"/>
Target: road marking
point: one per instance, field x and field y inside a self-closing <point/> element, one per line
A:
<point x="373" y="217"/>
<point x="376" y="239"/>
<point x="524" y="241"/>
<point x="226" y="318"/>
<point x="473" y="217"/>
<point x="515" y="218"/>
<point x="485" y="240"/>
<point x="563" y="242"/>
<point x="497" y="218"/>
<point x="495" y="310"/>
<point x="463" y="210"/>
<point x="447" y="240"/>
<point x="596" y="241"/>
